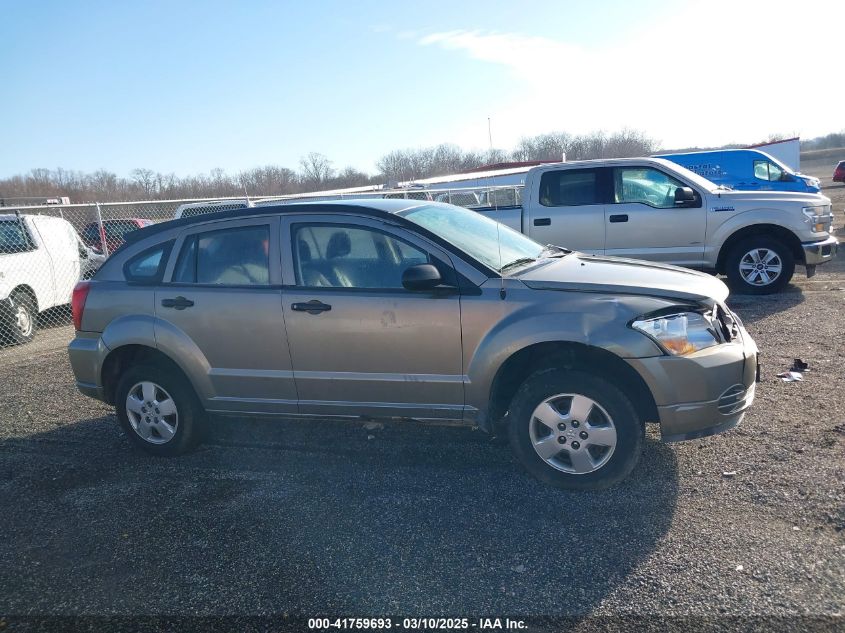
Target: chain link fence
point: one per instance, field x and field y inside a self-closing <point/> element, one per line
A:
<point x="45" y="250"/>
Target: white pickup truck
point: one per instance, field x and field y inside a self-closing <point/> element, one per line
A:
<point x="650" y="208"/>
<point x="41" y="259"/>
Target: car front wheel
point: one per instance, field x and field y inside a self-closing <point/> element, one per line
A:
<point x="574" y="430"/>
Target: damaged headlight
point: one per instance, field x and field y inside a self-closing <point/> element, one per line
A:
<point x="680" y="333"/>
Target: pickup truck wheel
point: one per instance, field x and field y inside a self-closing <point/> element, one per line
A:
<point x="574" y="430"/>
<point x="22" y="318"/>
<point x="158" y="410"/>
<point x="760" y="266"/>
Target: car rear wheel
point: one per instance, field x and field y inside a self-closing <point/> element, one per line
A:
<point x="760" y="266"/>
<point x="574" y="430"/>
<point x="158" y="410"/>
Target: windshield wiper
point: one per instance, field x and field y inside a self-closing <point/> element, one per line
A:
<point x="550" y="250"/>
<point x="518" y="262"/>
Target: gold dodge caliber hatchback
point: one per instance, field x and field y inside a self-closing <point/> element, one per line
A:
<point x="408" y="309"/>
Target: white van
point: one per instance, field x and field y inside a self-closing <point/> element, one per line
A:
<point x="41" y="259"/>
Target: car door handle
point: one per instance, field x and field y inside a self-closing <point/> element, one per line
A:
<point x="180" y="303"/>
<point x="542" y="222"/>
<point x="623" y="217"/>
<point x="311" y="307"/>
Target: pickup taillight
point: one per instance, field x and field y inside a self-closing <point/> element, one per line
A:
<point x="77" y="302"/>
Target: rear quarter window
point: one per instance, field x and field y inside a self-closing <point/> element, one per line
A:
<point x="148" y="266"/>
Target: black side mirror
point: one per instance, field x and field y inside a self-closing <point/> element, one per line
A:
<point x="684" y="195"/>
<point x="421" y="277"/>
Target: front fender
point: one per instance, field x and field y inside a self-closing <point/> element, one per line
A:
<point x="589" y="319"/>
<point x="720" y="229"/>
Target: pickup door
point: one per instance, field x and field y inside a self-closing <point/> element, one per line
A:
<point x="644" y="222"/>
<point x="568" y="210"/>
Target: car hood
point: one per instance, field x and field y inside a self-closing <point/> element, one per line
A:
<point x="597" y="273"/>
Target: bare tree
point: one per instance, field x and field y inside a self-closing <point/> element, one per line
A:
<point x="316" y="169"/>
<point x="145" y="179"/>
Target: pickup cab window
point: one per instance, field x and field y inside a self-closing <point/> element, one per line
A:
<point x="645" y="185"/>
<point x="569" y="188"/>
<point x="14" y="238"/>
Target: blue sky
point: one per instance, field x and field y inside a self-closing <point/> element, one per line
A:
<point x="184" y="87"/>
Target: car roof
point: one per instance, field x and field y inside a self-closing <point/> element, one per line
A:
<point x="376" y="207"/>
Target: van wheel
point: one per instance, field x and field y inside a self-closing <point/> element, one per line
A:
<point x="574" y="430"/>
<point x="21" y="318"/>
<point x="158" y="410"/>
<point x="760" y="266"/>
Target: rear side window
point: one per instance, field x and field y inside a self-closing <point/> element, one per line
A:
<point x="238" y="256"/>
<point x="14" y="238"/>
<point x="148" y="266"/>
<point x="569" y="188"/>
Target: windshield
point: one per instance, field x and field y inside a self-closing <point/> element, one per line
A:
<point x="691" y="176"/>
<point x="479" y="236"/>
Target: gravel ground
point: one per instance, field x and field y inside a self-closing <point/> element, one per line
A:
<point x="327" y="518"/>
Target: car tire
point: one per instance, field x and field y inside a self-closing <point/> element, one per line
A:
<point x="164" y="413"/>
<point x="22" y="318"/>
<point x="558" y="449"/>
<point x="745" y="258"/>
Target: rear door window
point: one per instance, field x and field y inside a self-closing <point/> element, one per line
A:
<point x="569" y="188"/>
<point x="237" y="256"/>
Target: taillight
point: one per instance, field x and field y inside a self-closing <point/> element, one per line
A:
<point x="77" y="302"/>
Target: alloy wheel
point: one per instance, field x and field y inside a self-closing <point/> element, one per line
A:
<point x="760" y="266"/>
<point x="152" y="412"/>
<point x="572" y="433"/>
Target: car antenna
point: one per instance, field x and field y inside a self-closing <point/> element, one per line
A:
<point x="502" y="293"/>
<point x="248" y="201"/>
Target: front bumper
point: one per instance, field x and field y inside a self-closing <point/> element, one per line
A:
<point x="704" y="393"/>
<point x="820" y="252"/>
